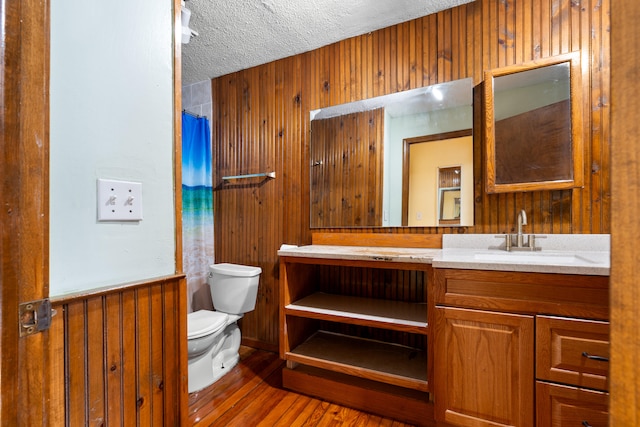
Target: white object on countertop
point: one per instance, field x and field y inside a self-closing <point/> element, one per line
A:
<point x="286" y="247"/>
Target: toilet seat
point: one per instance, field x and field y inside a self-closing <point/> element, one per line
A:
<point x="203" y="322"/>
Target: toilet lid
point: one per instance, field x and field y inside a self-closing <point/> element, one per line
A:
<point x="204" y="322"/>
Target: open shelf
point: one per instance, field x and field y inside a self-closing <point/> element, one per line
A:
<point x="354" y="325"/>
<point x="387" y="314"/>
<point x="375" y="360"/>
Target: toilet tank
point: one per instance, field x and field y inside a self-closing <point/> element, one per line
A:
<point x="234" y="287"/>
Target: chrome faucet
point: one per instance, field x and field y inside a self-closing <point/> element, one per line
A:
<point x="522" y="220"/>
<point x="519" y="244"/>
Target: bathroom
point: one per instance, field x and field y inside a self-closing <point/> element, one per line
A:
<point x="252" y="222"/>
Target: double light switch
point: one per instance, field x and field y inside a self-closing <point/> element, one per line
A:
<point x="119" y="200"/>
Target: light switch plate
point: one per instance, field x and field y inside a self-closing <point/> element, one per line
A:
<point x="119" y="200"/>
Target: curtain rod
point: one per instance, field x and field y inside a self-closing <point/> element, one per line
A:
<point x="197" y="116"/>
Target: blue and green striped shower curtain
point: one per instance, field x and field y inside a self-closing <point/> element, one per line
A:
<point x="197" y="209"/>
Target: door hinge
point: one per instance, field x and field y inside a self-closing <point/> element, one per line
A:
<point x="35" y="316"/>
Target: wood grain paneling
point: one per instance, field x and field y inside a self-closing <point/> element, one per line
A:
<point x="378" y="239"/>
<point x="352" y="146"/>
<point x="374" y="283"/>
<point x="261" y="122"/>
<point x="551" y="153"/>
<point x="625" y="178"/>
<point x="24" y="220"/>
<point x="120" y="357"/>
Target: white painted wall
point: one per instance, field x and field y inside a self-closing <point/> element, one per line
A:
<point x="111" y="117"/>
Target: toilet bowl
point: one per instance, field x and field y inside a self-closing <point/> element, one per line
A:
<point x="214" y="336"/>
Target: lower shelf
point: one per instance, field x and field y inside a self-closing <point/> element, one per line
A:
<point x="379" y="361"/>
<point x="386" y="400"/>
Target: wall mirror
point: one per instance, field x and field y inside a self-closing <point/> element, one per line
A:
<point x="369" y="159"/>
<point x="533" y="126"/>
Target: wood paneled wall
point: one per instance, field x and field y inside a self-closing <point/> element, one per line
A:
<point x="550" y="155"/>
<point x="625" y="259"/>
<point x="346" y="181"/>
<point x="397" y="285"/>
<point x="261" y="123"/>
<point x="119" y="357"/>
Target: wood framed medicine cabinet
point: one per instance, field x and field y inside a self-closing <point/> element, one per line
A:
<point x="534" y="125"/>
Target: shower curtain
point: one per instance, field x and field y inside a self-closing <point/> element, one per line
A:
<point x="197" y="209"/>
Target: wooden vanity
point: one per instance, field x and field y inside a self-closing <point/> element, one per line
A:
<point x="520" y="349"/>
<point x="356" y="331"/>
<point x="382" y="330"/>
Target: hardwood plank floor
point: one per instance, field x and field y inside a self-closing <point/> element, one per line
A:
<point x="251" y="394"/>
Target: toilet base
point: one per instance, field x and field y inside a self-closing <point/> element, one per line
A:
<point x="214" y="364"/>
<point x="227" y="361"/>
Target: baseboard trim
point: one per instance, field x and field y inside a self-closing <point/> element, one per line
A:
<point x="390" y="401"/>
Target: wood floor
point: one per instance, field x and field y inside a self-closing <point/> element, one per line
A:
<point x="252" y="395"/>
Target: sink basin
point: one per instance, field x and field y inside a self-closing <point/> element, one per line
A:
<point x="532" y="257"/>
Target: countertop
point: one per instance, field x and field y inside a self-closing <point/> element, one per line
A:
<point x="367" y="253"/>
<point x="587" y="254"/>
<point x="594" y="263"/>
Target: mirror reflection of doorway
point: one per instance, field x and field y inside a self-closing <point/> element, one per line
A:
<point x="449" y="180"/>
<point x="423" y="187"/>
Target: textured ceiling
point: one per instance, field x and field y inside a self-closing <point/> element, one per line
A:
<point x="239" y="34"/>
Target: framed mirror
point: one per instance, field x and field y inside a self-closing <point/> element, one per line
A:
<point x="358" y="161"/>
<point x="533" y="126"/>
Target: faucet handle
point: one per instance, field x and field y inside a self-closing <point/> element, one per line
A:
<point x="507" y="240"/>
<point x="532" y="241"/>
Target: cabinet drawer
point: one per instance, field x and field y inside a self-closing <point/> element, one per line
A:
<point x="533" y="293"/>
<point x="573" y="351"/>
<point x="559" y="406"/>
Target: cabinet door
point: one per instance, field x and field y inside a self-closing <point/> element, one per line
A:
<point x="483" y="368"/>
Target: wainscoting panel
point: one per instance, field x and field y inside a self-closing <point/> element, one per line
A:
<point x="261" y="123"/>
<point x="119" y="356"/>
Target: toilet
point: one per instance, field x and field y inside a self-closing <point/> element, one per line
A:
<point x="214" y="336"/>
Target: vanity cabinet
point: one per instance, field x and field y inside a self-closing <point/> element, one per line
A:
<point x="356" y="331"/>
<point x="493" y="369"/>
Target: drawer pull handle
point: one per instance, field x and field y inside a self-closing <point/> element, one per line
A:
<point x="594" y="357"/>
<point x="586" y="424"/>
